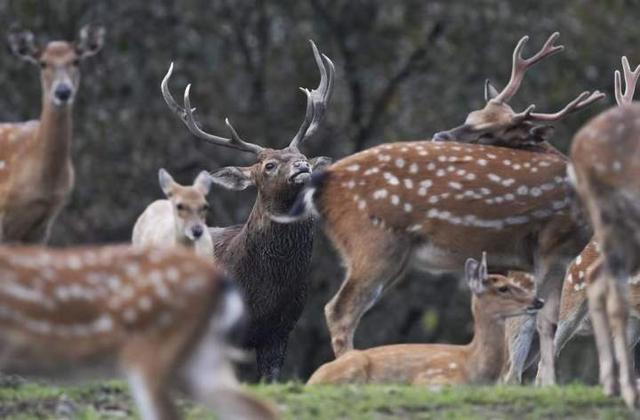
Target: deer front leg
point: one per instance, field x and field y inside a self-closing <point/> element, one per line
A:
<point x="618" y="314"/>
<point x="150" y="396"/>
<point x="270" y="358"/>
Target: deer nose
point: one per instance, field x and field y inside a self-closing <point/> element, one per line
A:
<point x="441" y="136"/>
<point x="537" y="304"/>
<point x="302" y="164"/>
<point x="63" y="93"/>
<point x="197" y="231"/>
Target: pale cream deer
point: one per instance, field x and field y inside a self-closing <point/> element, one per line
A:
<point x="36" y="170"/>
<point x="431" y="205"/>
<point x="605" y="171"/>
<point x="494" y="298"/>
<point x="156" y="316"/>
<point x="180" y="219"/>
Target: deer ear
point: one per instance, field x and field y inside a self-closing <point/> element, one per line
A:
<point x="472" y="274"/>
<point x="23" y="45"/>
<point x="203" y="182"/>
<point x="166" y="181"/>
<point x="490" y="91"/>
<point x="90" y="41"/>
<point x="235" y="178"/>
<point x="320" y="162"/>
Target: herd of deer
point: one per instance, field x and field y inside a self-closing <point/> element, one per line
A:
<point x="159" y="311"/>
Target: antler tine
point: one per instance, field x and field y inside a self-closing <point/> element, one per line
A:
<point x="581" y="101"/>
<point x="235" y="142"/>
<point x="317" y="99"/>
<point x="630" y="81"/>
<point x="520" y="65"/>
<point x="186" y="115"/>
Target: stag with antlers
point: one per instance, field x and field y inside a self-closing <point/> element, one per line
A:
<point x="605" y="171"/>
<point x="269" y="259"/>
<point x="37" y="172"/>
<point x="499" y="125"/>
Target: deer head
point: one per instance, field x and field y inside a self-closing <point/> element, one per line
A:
<point x="506" y="296"/>
<point x="278" y="174"/>
<point x="189" y="203"/>
<point x="59" y="61"/>
<point x="498" y="124"/>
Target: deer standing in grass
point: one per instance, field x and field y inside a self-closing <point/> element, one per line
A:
<point x="181" y="219"/>
<point x="36" y="171"/>
<point x="434" y="204"/>
<point x="157" y="316"/>
<point x="605" y="171"/>
<point x="268" y="259"/>
<point x="494" y="298"/>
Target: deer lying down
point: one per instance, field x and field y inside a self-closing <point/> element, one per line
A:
<point x="157" y="316"/>
<point x="494" y="298"/>
<point x="178" y="220"/>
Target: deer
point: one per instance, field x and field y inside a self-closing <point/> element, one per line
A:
<point x="430" y="205"/>
<point x="605" y="171"/>
<point x="36" y="175"/>
<point x="269" y="260"/>
<point x="494" y="298"/>
<point x="157" y="316"/>
<point x="180" y="219"/>
<point x="498" y="124"/>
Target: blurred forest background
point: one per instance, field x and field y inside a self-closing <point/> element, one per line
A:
<point x="405" y="69"/>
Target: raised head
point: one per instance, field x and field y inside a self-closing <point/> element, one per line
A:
<point x="59" y="61"/>
<point x="278" y="174"/>
<point x="189" y="203"/>
<point x="499" y="295"/>
<point x="498" y="124"/>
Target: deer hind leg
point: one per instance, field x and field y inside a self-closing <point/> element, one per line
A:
<point x="150" y="395"/>
<point x="374" y="260"/>
<point x="597" y="295"/>
<point x="618" y="313"/>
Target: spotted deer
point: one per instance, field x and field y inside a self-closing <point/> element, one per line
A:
<point x="156" y="316"/>
<point x="36" y="171"/>
<point x="178" y="220"/>
<point x="605" y="171"/>
<point x="498" y="124"/>
<point x="269" y="259"/>
<point x="494" y="298"/>
<point x="431" y="205"/>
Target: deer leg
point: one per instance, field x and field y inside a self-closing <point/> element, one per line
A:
<point x="618" y="313"/>
<point x="596" y="293"/>
<point x="150" y="396"/>
<point x="519" y="345"/>
<point x="366" y="279"/>
<point x="567" y="327"/>
<point x="270" y="358"/>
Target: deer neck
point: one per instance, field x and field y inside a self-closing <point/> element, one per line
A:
<point x="487" y="349"/>
<point x="53" y="142"/>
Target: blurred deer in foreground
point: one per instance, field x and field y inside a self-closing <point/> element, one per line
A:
<point x="178" y="220"/>
<point x="434" y="204"/>
<point x="499" y="125"/>
<point x="268" y="259"/>
<point x="605" y="171"/>
<point x="494" y="298"/>
<point x="158" y="316"/>
<point x="36" y="172"/>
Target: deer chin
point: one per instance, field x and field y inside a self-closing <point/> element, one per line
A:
<point x="300" y="177"/>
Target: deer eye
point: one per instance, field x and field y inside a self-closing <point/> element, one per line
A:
<point x="270" y="166"/>
<point x="180" y="206"/>
<point x="503" y="289"/>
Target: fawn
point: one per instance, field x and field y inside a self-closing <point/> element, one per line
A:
<point x="178" y="220"/>
<point x="494" y="298"/>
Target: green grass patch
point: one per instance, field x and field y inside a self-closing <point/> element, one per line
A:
<point x="296" y="401"/>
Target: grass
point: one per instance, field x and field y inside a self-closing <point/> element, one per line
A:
<point x="295" y="401"/>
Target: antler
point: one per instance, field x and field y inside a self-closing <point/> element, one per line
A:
<point x="584" y="99"/>
<point x="317" y="99"/>
<point x="520" y="65"/>
<point x="630" y="80"/>
<point x="186" y="115"/>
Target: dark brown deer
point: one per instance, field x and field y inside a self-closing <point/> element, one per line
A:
<point x="36" y="171"/>
<point x="269" y="259"/>
<point x="434" y="204"/>
<point x="605" y="170"/>
<point x="498" y="124"/>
